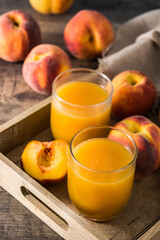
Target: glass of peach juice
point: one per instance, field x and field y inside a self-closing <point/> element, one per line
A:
<point x="101" y="171"/>
<point x="80" y="98"/>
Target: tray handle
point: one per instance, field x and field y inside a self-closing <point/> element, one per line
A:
<point x="44" y="211"/>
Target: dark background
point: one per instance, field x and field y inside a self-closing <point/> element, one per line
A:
<point x="16" y="222"/>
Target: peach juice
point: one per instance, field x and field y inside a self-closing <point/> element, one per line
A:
<point x="100" y="173"/>
<point x="81" y="98"/>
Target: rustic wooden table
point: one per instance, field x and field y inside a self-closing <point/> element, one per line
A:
<point x="16" y="222"/>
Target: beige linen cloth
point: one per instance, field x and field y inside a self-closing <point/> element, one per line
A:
<point x="136" y="47"/>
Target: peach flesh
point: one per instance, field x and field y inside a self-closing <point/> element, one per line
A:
<point x="47" y="161"/>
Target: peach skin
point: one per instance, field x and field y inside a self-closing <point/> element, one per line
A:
<point x="146" y="135"/>
<point x="51" y="6"/>
<point x="42" y="65"/>
<point x="19" y="33"/>
<point x="134" y="94"/>
<point x="87" y="34"/>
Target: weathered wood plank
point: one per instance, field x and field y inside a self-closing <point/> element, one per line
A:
<point x="152" y="233"/>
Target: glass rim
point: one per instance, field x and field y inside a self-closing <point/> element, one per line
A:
<point x="99" y="171"/>
<point x="85" y="70"/>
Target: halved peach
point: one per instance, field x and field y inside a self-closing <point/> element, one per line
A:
<point x="46" y="161"/>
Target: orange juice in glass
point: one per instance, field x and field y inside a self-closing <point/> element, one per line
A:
<point x="80" y="98"/>
<point x="101" y="171"/>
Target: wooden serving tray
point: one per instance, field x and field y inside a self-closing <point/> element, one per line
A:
<point x="139" y="220"/>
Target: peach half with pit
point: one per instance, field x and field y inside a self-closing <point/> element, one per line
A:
<point x="134" y="94"/>
<point x="19" y="33"/>
<point x="42" y="65"/>
<point x="87" y="34"/>
<point x="46" y="161"/>
<point x="146" y="135"/>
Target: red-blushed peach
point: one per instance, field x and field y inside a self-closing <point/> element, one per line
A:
<point x="46" y="161"/>
<point x="134" y="94"/>
<point x="51" y="6"/>
<point x="87" y="34"/>
<point x="19" y="33"/>
<point x="42" y="65"/>
<point x="146" y="135"/>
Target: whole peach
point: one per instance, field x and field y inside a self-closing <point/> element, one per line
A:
<point x="42" y="65"/>
<point x="19" y="33"/>
<point x="146" y="135"/>
<point x="51" y="6"/>
<point x="87" y="34"/>
<point x="134" y="94"/>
